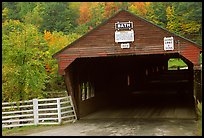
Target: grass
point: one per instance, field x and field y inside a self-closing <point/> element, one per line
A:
<point x="24" y="130"/>
<point x="7" y="131"/>
<point x="176" y="62"/>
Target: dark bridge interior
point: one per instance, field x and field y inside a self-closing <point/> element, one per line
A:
<point x="133" y="83"/>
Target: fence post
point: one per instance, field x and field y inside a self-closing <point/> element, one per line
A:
<point x="70" y="98"/>
<point x="59" y="111"/>
<point x="35" y="111"/>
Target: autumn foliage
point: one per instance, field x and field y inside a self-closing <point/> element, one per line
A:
<point x="33" y="32"/>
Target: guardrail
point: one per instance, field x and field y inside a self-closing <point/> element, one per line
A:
<point x="38" y="111"/>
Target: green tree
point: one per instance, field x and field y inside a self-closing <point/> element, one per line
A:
<point x="97" y="11"/>
<point x="24" y="75"/>
<point x="189" y="14"/>
<point x="173" y="22"/>
<point x="156" y="13"/>
<point x="57" y="16"/>
<point x="34" y="16"/>
<point x="55" y="41"/>
<point x="183" y="18"/>
<point x="24" y="8"/>
<point x="139" y="8"/>
<point x="4" y="14"/>
<point x="13" y="10"/>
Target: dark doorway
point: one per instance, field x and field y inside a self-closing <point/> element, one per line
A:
<point x="133" y="83"/>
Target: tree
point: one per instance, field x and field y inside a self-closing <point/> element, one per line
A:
<point x="91" y="15"/>
<point x="85" y="14"/>
<point x="34" y="16"/>
<point x="24" y="75"/>
<point x="55" y="42"/>
<point x="183" y="18"/>
<point x="173" y="22"/>
<point x="110" y="9"/>
<point x="13" y="10"/>
<point x="4" y="14"/>
<point x="57" y="17"/>
<point x="24" y="8"/>
<point x="139" y="8"/>
<point x="190" y="16"/>
<point x="156" y="13"/>
<point x="97" y="9"/>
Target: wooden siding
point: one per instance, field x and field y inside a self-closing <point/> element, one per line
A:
<point x="148" y="40"/>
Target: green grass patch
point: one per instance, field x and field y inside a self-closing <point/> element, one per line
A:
<point x="24" y="129"/>
<point x="176" y="62"/>
<point x="7" y="131"/>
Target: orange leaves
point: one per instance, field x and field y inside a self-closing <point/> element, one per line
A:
<point x="48" y="68"/>
<point x="88" y="10"/>
<point x="47" y="35"/>
<point x="84" y="13"/>
<point x="58" y="40"/>
<point x="110" y="8"/>
<point x="87" y="14"/>
<point x="52" y="39"/>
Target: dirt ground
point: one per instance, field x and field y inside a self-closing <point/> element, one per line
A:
<point x="118" y="127"/>
<point x="165" y="118"/>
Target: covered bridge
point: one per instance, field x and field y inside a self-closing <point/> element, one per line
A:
<point x="124" y="57"/>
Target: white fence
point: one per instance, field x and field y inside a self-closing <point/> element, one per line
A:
<point x="38" y="111"/>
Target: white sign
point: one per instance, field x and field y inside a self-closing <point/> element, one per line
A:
<point x="124" y="36"/>
<point x="123" y="25"/>
<point x="125" y="45"/>
<point x="168" y="43"/>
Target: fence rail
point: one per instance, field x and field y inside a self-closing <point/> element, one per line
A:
<point x="38" y="111"/>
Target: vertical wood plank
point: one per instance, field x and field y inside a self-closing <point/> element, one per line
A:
<point x="70" y="86"/>
<point x="59" y="111"/>
<point x="35" y="111"/>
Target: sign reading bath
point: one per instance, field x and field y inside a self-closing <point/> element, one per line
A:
<point x="123" y="25"/>
<point x="168" y="43"/>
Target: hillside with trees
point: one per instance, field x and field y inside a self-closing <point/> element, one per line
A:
<point x="33" y="31"/>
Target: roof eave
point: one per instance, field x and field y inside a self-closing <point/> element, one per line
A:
<point x="55" y="55"/>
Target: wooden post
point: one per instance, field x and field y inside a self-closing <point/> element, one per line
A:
<point x="35" y="111"/>
<point x="70" y="98"/>
<point x="197" y="85"/>
<point x="70" y="89"/>
<point x="59" y="111"/>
